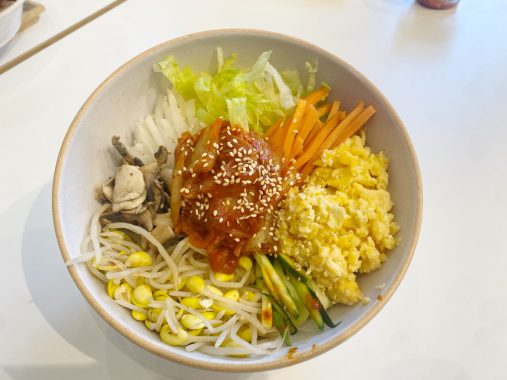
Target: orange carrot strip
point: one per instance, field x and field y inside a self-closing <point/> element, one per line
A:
<point x="307" y="169"/>
<point x="343" y="115"/>
<point x="334" y="109"/>
<point x="292" y="127"/>
<point x="273" y="129"/>
<point x="322" y="110"/>
<point x="331" y="138"/>
<point x="354" y="126"/>
<point x="316" y="128"/>
<point x="316" y="142"/>
<point x="317" y="95"/>
<point x="297" y="148"/>
<point x="278" y="137"/>
<point x="309" y="120"/>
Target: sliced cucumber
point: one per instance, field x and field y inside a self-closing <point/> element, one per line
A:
<point x="313" y="305"/>
<point x="303" y="310"/>
<point x="282" y="327"/>
<point x="276" y="285"/>
<point x="266" y="310"/>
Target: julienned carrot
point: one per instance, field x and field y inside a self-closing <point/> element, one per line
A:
<point x="292" y="127"/>
<point x="277" y="137"/>
<point x="316" y="128"/>
<point x="297" y="148"/>
<point x="354" y="126"/>
<point x="334" y="109"/>
<point x="317" y="142"/>
<point x="322" y="110"/>
<point x="318" y="95"/>
<point x="273" y="129"/>
<point x="309" y="120"/>
<point x="343" y="115"/>
<point x="307" y="169"/>
<point x="331" y="138"/>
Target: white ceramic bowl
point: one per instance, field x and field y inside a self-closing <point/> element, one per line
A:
<point x="130" y="92"/>
<point x="10" y="21"/>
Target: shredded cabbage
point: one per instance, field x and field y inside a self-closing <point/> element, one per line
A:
<point x="293" y="80"/>
<point x="312" y="72"/>
<point x="254" y="98"/>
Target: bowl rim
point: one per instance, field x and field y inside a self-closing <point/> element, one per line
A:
<point x="209" y="365"/>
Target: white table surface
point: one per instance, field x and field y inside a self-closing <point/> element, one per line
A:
<point x="57" y="16"/>
<point x="445" y="73"/>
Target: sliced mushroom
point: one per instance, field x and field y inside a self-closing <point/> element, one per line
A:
<point x="139" y="193"/>
<point x="107" y="189"/>
<point x="166" y="175"/>
<point x="143" y="219"/>
<point x="103" y="193"/>
<point x="135" y="206"/>
<point x="161" y="155"/>
<point x="122" y="150"/>
<point x="129" y="190"/>
<point x="162" y="233"/>
<point x="150" y="172"/>
<point x="163" y="220"/>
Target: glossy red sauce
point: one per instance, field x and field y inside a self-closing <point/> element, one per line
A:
<point x="231" y="182"/>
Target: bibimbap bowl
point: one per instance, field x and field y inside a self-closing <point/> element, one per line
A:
<point x="130" y="93"/>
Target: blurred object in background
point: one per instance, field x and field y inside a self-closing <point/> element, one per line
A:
<point x="438" y="4"/>
<point x="31" y="13"/>
<point x="10" y="19"/>
<point x="5" y="3"/>
<point x="16" y="16"/>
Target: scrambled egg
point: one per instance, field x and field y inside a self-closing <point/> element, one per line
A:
<point x="339" y="224"/>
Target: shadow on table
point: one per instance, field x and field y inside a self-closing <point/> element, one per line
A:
<point x="65" y="309"/>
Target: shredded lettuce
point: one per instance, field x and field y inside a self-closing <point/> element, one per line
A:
<point x="284" y="93"/>
<point x="312" y="73"/>
<point x="293" y="80"/>
<point x="254" y="98"/>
